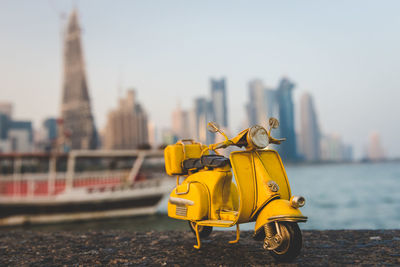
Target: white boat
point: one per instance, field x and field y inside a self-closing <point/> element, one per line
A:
<point x="80" y="185"/>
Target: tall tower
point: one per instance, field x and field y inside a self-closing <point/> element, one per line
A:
<point x="127" y="126"/>
<point x="375" y="150"/>
<point x="218" y="95"/>
<point x="75" y="110"/>
<point x="310" y="136"/>
<point x="256" y="107"/>
<point x="203" y="114"/>
<point x="286" y="118"/>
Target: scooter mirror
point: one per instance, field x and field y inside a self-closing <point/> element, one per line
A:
<point x="273" y="123"/>
<point x="212" y="127"/>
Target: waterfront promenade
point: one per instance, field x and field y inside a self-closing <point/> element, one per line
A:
<point x="175" y="248"/>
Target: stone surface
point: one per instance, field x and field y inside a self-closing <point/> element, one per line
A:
<point x="175" y="248"/>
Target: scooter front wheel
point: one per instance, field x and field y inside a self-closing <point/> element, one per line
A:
<point x="291" y="243"/>
<point x="204" y="231"/>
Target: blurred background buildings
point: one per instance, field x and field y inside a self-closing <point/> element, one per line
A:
<point x="128" y="126"/>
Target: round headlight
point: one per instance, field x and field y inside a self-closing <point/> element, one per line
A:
<point x="258" y="136"/>
<point x="297" y="201"/>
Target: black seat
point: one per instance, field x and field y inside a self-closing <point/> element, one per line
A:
<point x="209" y="161"/>
<point x="214" y="161"/>
<point x="192" y="164"/>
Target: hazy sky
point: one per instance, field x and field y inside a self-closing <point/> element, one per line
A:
<point x="345" y="53"/>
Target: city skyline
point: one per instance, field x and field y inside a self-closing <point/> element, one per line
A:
<point x="345" y="78"/>
<point x="267" y="102"/>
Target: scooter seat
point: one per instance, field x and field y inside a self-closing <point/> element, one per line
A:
<point x="214" y="161"/>
<point x="192" y="164"/>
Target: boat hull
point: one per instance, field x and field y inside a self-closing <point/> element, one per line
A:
<point x="27" y="213"/>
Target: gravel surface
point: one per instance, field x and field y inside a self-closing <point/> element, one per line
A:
<point x="175" y="248"/>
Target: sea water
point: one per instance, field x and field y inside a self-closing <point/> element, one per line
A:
<point x="345" y="196"/>
<point x="349" y="196"/>
<point x="338" y="196"/>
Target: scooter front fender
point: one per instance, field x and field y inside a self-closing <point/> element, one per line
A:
<point x="278" y="210"/>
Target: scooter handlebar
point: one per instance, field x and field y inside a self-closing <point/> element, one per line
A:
<point x="224" y="144"/>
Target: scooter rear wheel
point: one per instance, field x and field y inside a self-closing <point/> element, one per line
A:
<point x="204" y="231"/>
<point x="292" y="242"/>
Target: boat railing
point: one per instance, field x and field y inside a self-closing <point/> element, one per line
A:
<point x="22" y="185"/>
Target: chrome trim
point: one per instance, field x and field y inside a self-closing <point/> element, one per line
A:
<point x="182" y="193"/>
<point x="180" y="201"/>
<point x="288" y="218"/>
<point x="278" y="231"/>
<point x="273" y="186"/>
<point x="181" y="210"/>
<point x="270" y="242"/>
<point x="297" y="201"/>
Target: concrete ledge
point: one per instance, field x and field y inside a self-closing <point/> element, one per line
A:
<point x="322" y="248"/>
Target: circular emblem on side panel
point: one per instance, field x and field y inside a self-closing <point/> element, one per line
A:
<point x="273" y="186"/>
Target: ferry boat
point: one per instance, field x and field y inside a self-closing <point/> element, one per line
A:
<point x="80" y="185"/>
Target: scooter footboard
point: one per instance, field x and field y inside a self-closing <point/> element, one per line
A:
<point x="278" y="210"/>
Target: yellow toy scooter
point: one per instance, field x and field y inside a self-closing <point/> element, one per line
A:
<point x="208" y="197"/>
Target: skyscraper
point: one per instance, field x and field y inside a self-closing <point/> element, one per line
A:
<point x="76" y="111"/>
<point x="203" y="115"/>
<point x="271" y="105"/>
<point x="15" y="136"/>
<point x="180" y="123"/>
<point x="333" y="149"/>
<point x="286" y="118"/>
<point x="375" y="150"/>
<point x="127" y="126"/>
<point x="50" y="126"/>
<point x="263" y="103"/>
<point x="310" y="135"/>
<point x="6" y="108"/>
<point x="256" y="109"/>
<point x="218" y="96"/>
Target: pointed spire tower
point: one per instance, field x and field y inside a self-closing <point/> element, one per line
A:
<point x="76" y="112"/>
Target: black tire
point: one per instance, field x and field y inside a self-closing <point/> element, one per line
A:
<point x="204" y="231"/>
<point x="288" y="251"/>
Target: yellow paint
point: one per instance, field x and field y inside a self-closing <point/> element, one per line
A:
<point x="209" y="197"/>
<point x="175" y="154"/>
<point x="196" y="229"/>
<point x="279" y="208"/>
<point x="244" y="176"/>
<point x="198" y="194"/>
<point x="237" y="235"/>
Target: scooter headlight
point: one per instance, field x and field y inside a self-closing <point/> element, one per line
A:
<point x="297" y="201"/>
<point x="258" y="136"/>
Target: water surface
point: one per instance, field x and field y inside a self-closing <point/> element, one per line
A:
<point x="338" y="196"/>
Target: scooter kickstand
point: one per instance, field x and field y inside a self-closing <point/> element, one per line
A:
<point x="237" y="235"/>
<point x="196" y="229"/>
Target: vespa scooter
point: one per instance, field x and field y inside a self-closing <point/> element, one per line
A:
<point x="209" y="198"/>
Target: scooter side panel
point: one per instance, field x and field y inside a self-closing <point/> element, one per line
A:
<point x="218" y="184"/>
<point x="278" y="210"/>
<point x="269" y="167"/>
<point x="189" y="201"/>
<point x="242" y="166"/>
